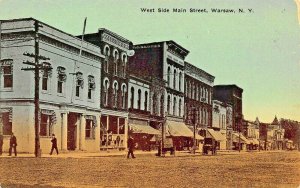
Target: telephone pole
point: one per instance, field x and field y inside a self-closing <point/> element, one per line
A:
<point x="44" y="66"/>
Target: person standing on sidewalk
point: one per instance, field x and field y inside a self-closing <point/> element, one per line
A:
<point x="1" y="143"/>
<point x="13" y="144"/>
<point x="131" y="145"/>
<point x="54" y="144"/>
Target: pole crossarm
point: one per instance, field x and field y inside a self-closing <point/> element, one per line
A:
<point x="36" y="56"/>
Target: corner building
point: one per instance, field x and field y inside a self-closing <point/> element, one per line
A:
<point x="69" y="93"/>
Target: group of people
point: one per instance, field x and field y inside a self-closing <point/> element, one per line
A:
<point x="13" y="144"/>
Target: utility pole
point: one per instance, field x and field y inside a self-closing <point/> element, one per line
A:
<point x="194" y="131"/>
<point x="239" y="124"/>
<point x="45" y="66"/>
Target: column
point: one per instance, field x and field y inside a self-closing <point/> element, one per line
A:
<point x="82" y="133"/>
<point x="126" y="133"/>
<point x="64" y="131"/>
<point x="97" y="133"/>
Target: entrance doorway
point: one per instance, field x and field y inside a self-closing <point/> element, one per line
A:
<point x="72" y="130"/>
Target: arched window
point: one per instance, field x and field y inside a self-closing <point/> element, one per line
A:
<point x="179" y="109"/>
<point x="139" y="99"/>
<point x="168" y="76"/>
<point x="105" y="65"/>
<point x="174" y="81"/>
<point x="180" y="77"/>
<point x="106" y="51"/>
<point x="162" y="99"/>
<point x="132" y="97"/>
<point x="116" y="55"/>
<point x="146" y="101"/>
<point x="115" y="93"/>
<point x="124" y="96"/>
<point x="105" y="92"/>
<point x="168" y="104"/>
<point x="154" y="108"/>
<point x="174" y="106"/>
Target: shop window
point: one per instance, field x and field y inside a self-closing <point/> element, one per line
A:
<point x="139" y="99"/>
<point x="89" y="129"/>
<point x="79" y="84"/>
<point x="91" y="86"/>
<point x="48" y="119"/>
<point x="61" y="79"/>
<point x="6" y="121"/>
<point x="7" y="70"/>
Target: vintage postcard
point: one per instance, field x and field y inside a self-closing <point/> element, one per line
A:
<point x="149" y="93"/>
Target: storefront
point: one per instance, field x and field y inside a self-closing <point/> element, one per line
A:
<point x="182" y="136"/>
<point x="239" y="139"/>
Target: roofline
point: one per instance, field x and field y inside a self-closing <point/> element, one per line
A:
<point x="229" y="85"/>
<point x="114" y="34"/>
<point x="200" y="69"/>
<point x="167" y="41"/>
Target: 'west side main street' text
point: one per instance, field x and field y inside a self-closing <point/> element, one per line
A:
<point x="195" y="10"/>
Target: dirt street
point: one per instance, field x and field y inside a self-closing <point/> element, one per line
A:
<point x="256" y="169"/>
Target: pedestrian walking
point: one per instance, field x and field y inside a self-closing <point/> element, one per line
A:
<point x="54" y="144"/>
<point x="131" y="145"/>
<point x="13" y="144"/>
<point x="1" y="143"/>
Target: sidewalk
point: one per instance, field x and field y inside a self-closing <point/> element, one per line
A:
<point x="83" y="154"/>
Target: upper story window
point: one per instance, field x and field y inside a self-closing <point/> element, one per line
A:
<point x="124" y="96"/>
<point x="115" y="68"/>
<point x="7" y="70"/>
<point x="174" y="106"/>
<point x="115" y="94"/>
<point x="168" y="104"/>
<point x="105" y="65"/>
<point x="79" y="84"/>
<point x="45" y="80"/>
<point x="179" y="109"/>
<point x="91" y="86"/>
<point x="168" y="76"/>
<point x="179" y="79"/>
<point x="105" y="92"/>
<point x="162" y="99"/>
<point x="61" y="79"/>
<point x="139" y="99"/>
<point x="146" y="101"/>
<point x="106" y="51"/>
<point x="132" y="97"/>
<point x="116" y="55"/>
<point x="174" y="81"/>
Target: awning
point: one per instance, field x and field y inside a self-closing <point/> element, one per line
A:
<point x="243" y="138"/>
<point x="216" y="135"/>
<point x="146" y="129"/>
<point x="180" y="129"/>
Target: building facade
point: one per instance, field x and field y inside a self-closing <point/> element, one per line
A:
<point x="198" y="99"/>
<point x="69" y="93"/>
<point x="114" y="87"/>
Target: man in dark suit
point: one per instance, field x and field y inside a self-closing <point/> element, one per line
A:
<point x="130" y="145"/>
<point x="1" y="143"/>
<point x="54" y="144"/>
<point x="13" y="144"/>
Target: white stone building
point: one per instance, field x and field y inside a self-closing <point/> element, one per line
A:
<point x="69" y="93"/>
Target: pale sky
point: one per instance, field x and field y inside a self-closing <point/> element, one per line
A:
<point x="259" y="51"/>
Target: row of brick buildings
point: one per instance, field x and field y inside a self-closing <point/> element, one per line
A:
<point x="103" y="87"/>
